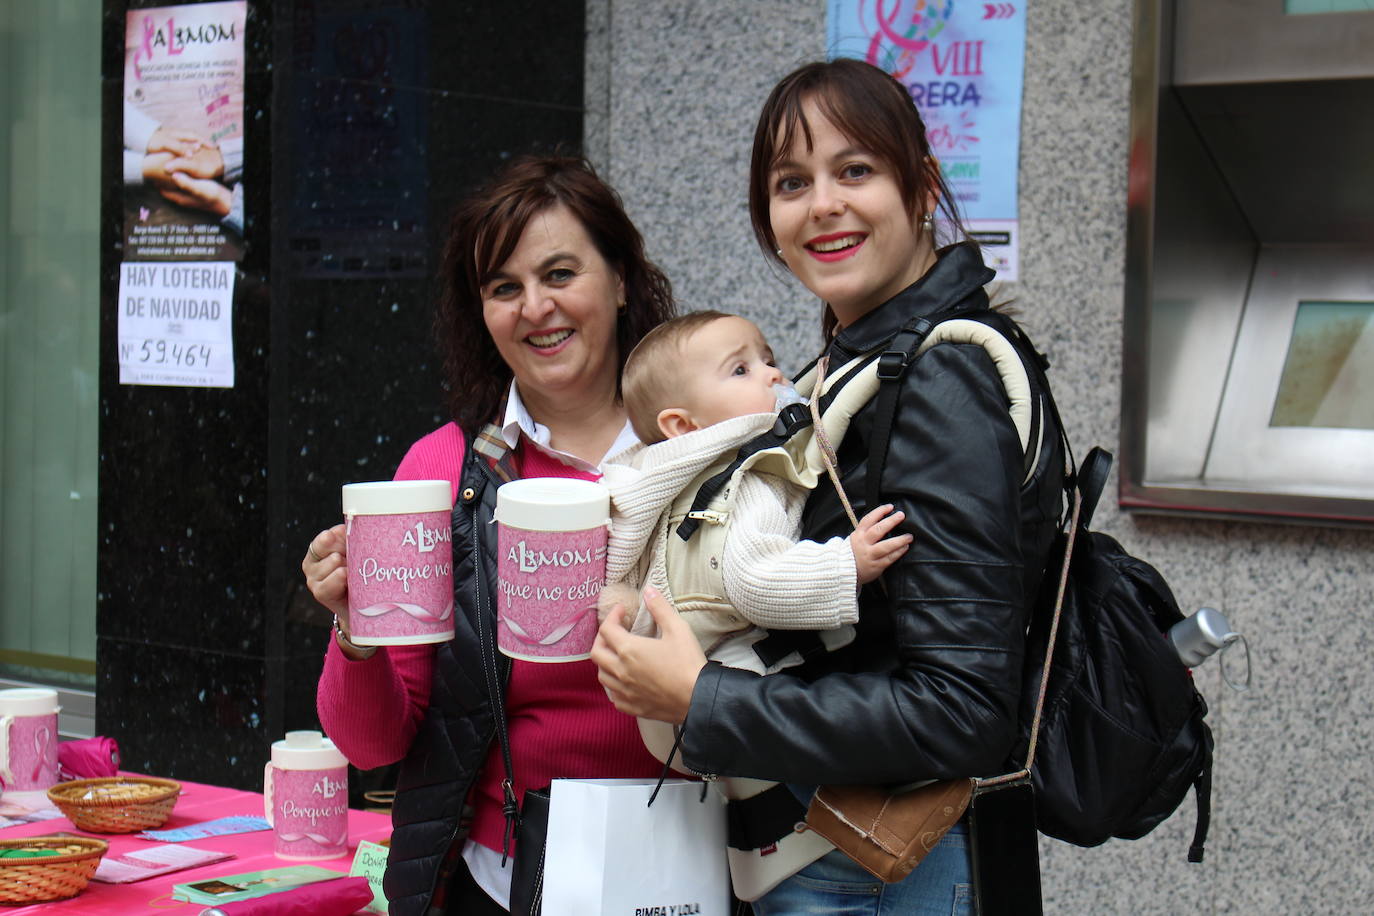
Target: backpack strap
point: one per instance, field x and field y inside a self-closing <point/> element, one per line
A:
<point x="794" y="417"/>
<point x="779" y="644"/>
<point x="1092" y="479"/>
<point x="1027" y="406"/>
<point x="1202" y="788"/>
<point x="1033" y="363"/>
<point x="1036" y="365"/>
<point x="892" y="366"/>
<point x="762" y="819"/>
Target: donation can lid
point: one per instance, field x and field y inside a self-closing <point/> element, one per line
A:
<point x="552" y="504"/>
<point x="28" y="701"/>
<point x="306" y="750"/>
<point x="397" y="497"/>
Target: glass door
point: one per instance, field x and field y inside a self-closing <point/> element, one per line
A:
<point x="49" y="335"/>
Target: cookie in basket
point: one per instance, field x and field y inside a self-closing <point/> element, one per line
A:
<point x="116" y="804"/>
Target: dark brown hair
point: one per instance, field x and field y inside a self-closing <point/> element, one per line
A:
<point x="483" y="233"/>
<point x="652" y="378"/>
<point x="872" y="110"/>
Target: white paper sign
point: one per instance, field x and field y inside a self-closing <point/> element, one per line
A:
<point x="176" y="323"/>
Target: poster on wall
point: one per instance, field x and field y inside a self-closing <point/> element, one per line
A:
<point x="963" y="63"/>
<point x="183" y="132"/>
<point x="176" y="324"/>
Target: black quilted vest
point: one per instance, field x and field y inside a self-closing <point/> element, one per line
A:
<point x="451" y="746"/>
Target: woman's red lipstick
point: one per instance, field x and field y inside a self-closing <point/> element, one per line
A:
<point x="838" y="254"/>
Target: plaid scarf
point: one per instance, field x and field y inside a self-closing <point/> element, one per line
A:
<point x="491" y="445"/>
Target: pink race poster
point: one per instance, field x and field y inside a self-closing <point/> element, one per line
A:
<point x="183" y="132"/>
<point x="963" y="63"/>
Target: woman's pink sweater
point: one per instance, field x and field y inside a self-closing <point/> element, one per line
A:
<point x="561" y="723"/>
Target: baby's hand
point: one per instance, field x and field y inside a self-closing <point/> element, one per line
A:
<point x="873" y="550"/>
<point x="617" y="595"/>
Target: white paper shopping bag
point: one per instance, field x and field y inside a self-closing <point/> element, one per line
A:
<point x="609" y="854"/>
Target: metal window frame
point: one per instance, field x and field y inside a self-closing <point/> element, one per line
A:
<point x="1152" y="75"/>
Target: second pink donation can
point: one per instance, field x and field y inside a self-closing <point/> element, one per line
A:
<point x="551" y="564"/>
<point x="400" y="561"/>
<point x="305" y="797"/>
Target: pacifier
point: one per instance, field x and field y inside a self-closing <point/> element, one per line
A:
<point x="786" y="395"/>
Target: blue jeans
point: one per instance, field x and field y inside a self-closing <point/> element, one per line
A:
<point x="834" y="886"/>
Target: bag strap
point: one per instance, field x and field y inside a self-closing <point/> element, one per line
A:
<point x="827" y="449"/>
<point x="1084" y="500"/>
<point x="1023" y="775"/>
<point x="491" y="461"/>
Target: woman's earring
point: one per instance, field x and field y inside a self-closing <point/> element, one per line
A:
<point x="778" y="251"/>
<point x="928" y="222"/>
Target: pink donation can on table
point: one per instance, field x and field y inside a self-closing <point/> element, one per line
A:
<point x="28" y="738"/>
<point x="551" y="564"/>
<point x="400" y="562"/>
<point x="305" y="797"/>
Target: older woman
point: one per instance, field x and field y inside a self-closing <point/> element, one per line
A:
<point x="547" y="290"/>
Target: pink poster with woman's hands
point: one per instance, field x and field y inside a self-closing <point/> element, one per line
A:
<point x="183" y="132"/>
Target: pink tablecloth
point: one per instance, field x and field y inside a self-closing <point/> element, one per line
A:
<point x="252" y="851"/>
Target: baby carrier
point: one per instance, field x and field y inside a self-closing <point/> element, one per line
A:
<point x="690" y="539"/>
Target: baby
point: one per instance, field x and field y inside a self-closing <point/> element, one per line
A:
<point x="696" y="389"/>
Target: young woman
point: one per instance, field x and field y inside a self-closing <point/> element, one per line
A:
<point x="547" y="290"/>
<point x="843" y="191"/>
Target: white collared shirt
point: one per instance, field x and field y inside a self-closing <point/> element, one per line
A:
<point x="517" y="420"/>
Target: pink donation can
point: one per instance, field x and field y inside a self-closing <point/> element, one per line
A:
<point x="305" y="797"/>
<point x="551" y="564"/>
<point x="400" y="561"/>
<point x="28" y="738"/>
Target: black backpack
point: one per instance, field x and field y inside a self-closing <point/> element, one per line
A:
<point x="1122" y="736"/>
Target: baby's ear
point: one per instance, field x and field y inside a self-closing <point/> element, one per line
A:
<point x="675" y="421"/>
<point x="613" y="593"/>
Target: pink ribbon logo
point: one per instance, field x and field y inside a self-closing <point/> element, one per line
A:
<point x="41" y="739"/>
<point x="554" y="635"/>
<point x="414" y="610"/>
<point x="145" y="52"/>
<point x="313" y="837"/>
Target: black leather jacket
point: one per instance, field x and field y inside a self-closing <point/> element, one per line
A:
<point x="451" y="746"/>
<point x="930" y="687"/>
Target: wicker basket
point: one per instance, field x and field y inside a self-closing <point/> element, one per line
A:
<point x="49" y="877"/>
<point x="116" y="804"/>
